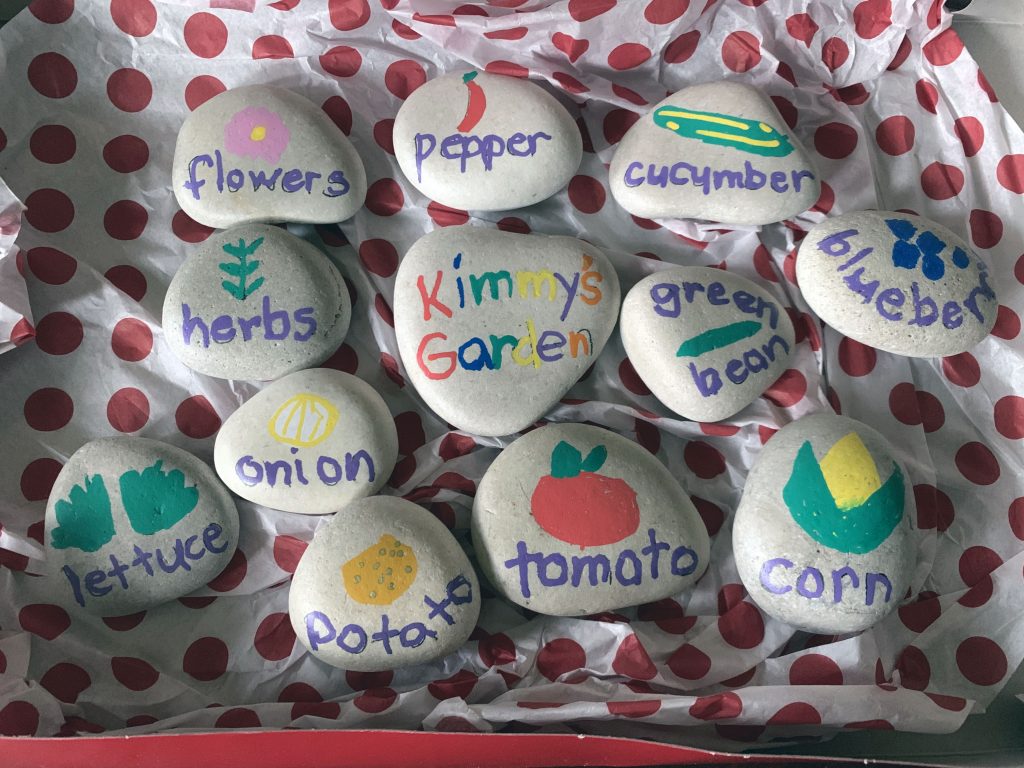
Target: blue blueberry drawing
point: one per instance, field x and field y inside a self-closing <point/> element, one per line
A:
<point x="927" y="250"/>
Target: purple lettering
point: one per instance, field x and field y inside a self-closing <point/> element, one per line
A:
<point x="708" y="381"/>
<point x="766" y="575"/>
<point x="808" y="573"/>
<point x="189" y="324"/>
<point x="247" y="470"/>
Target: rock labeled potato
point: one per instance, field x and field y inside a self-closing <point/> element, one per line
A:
<point x="717" y="151"/>
<point x="132" y="523"/>
<point x="264" y="154"/>
<point x="707" y="343"/>
<point x="311" y="443"/>
<point x="484" y="142"/>
<point x="822" y="536"/>
<point x="572" y="519"/>
<point x="493" y="327"/>
<point x="897" y="282"/>
<point x="255" y="302"/>
<point x="383" y="585"/>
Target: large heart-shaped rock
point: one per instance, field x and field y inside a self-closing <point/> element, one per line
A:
<point x="132" y="523"/>
<point x="706" y="342"/>
<point x="718" y="151"/>
<point x="311" y="443"/>
<point x="255" y="302"/>
<point x="897" y="282"/>
<point x="822" y="535"/>
<point x="262" y="153"/>
<point x="486" y="142"/>
<point x="572" y="519"/>
<point x="493" y="327"/>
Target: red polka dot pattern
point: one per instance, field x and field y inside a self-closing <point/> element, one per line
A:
<point x="59" y="333"/>
<point x="205" y="659"/>
<point x="128" y="410"/>
<point x="205" y="35"/>
<point x="134" y="17"/>
<point x="741" y="51"/>
<point x="48" y="409"/>
<point x="561" y="657"/>
<point x="129" y="90"/>
<point x="196" y="418"/>
<point x="52" y="75"/>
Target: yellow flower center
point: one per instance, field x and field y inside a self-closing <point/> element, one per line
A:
<point x="259" y="133"/>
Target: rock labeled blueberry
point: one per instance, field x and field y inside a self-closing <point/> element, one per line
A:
<point x="262" y="153"/>
<point x="898" y="282"/>
<point x="383" y="585"/>
<point x="255" y="302"/>
<point x="486" y="142"/>
<point x="706" y="342"/>
<point x="311" y="442"/>
<point x="493" y="328"/>
<point x="717" y="151"/>
<point x="572" y="519"/>
<point x="132" y="523"/>
<point x="822" y="535"/>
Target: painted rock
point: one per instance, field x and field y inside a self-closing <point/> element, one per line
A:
<point x="822" y="535"/>
<point x="495" y="327"/>
<point x="572" y="519"/>
<point x="897" y="282"/>
<point x="132" y="523"/>
<point x="486" y="142"/>
<point x="704" y="341"/>
<point x="255" y="302"/>
<point x="311" y="442"/>
<point x="718" y="151"/>
<point x="383" y="585"/>
<point x="261" y="153"/>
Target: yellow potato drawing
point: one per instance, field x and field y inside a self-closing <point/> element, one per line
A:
<point x="381" y="573"/>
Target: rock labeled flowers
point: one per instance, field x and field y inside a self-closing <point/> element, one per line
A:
<point x="486" y="142"/>
<point x="494" y="328"/>
<point x="822" y="535"/>
<point x="705" y="342"/>
<point x="897" y="282"/>
<point x="311" y="442"/>
<point x="132" y="523"/>
<point x="255" y="302"/>
<point x="572" y="519"/>
<point x="383" y="585"/>
<point x="717" y="151"/>
<point x="262" y="153"/>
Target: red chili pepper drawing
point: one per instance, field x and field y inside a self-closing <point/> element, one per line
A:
<point x="476" y="105"/>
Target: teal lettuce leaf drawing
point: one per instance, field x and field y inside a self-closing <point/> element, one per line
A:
<point x="242" y="270"/>
<point x="155" y="500"/>
<point x="857" y="530"/>
<point x="84" y="520"/>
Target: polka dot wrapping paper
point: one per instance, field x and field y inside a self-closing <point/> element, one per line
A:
<point x="897" y="115"/>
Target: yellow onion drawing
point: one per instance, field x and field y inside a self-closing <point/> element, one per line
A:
<point x="303" y="420"/>
<point x="381" y="573"/>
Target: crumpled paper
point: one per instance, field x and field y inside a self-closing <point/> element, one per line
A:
<point x="894" y="112"/>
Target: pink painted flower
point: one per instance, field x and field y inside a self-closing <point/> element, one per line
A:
<point x="256" y="132"/>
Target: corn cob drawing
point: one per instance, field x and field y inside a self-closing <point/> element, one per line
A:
<point x="381" y="573"/>
<point x="712" y="128"/>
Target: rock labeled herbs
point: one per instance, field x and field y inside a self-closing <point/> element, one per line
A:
<point x="717" y="151"/>
<point x="383" y="585"/>
<point x="132" y="523"/>
<point x="261" y="153"/>
<point x="572" y="519"/>
<point x="822" y="536"/>
<point x="897" y="282"/>
<point x="255" y="302"/>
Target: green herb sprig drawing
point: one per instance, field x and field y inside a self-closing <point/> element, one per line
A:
<point x="84" y="517"/>
<point x="242" y="270"/>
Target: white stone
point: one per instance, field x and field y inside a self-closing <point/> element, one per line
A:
<point x="485" y="142"/>
<point x="311" y="442"/>
<point x="572" y="519"/>
<point x="898" y="282"/>
<point x="717" y="151"/>
<point x="255" y="302"/>
<point x="706" y="342"/>
<point x="531" y="312"/>
<point x="383" y="585"/>
<point x="132" y="523"/>
<point x="262" y="153"/>
<point x="822" y="535"/>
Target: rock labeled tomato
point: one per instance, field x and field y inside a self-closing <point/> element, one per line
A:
<point x="579" y="506"/>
